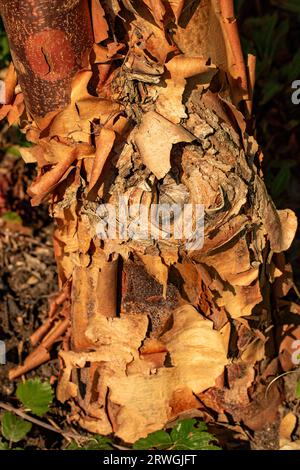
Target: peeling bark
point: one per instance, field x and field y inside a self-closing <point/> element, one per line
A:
<point x="155" y="327"/>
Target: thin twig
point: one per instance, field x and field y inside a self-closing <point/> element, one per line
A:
<point x="40" y="423"/>
<point x="296" y="290"/>
<point x="53" y="423"/>
<point x="277" y="378"/>
<point x="68" y="435"/>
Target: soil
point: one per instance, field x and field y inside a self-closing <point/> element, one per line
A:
<point x="28" y="281"/>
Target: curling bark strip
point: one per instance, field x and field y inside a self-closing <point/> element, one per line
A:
<point x="48" y="41"/>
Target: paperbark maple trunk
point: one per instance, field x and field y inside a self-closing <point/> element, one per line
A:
<point x="159" y="113"/>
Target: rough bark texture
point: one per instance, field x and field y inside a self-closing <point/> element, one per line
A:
<point x="153" y="328"/>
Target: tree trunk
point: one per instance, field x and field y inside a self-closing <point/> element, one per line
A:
<point x="48" y="41"/>
<point x="156" y="121"/>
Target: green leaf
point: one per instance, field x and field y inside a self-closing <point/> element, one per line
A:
<point x="3" y="445"/>
<point x="99" y="443"/>
<point x="158" y="440"/>
<point x="11" y="217"/>
<point x="186" y="435"/>
<point x="298" y="390"/>
<point x="13" y="150"/>
<point x="35" y="395"/>
<point x="14" y="429"/>
<point x="73" y="446"/>
<point x="183" y="429"/>
<point x="96" y="443"/>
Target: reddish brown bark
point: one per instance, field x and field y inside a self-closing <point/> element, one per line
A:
<point x="48" y="41"/>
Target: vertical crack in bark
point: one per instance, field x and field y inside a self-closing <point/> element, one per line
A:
<point x="46" y="60"/>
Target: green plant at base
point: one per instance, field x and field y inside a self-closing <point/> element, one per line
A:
<point x="13" y="428"/>
<point x="96" y="442"/>
<point x="35" y="395"/>
<point x="186" y="435"/>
